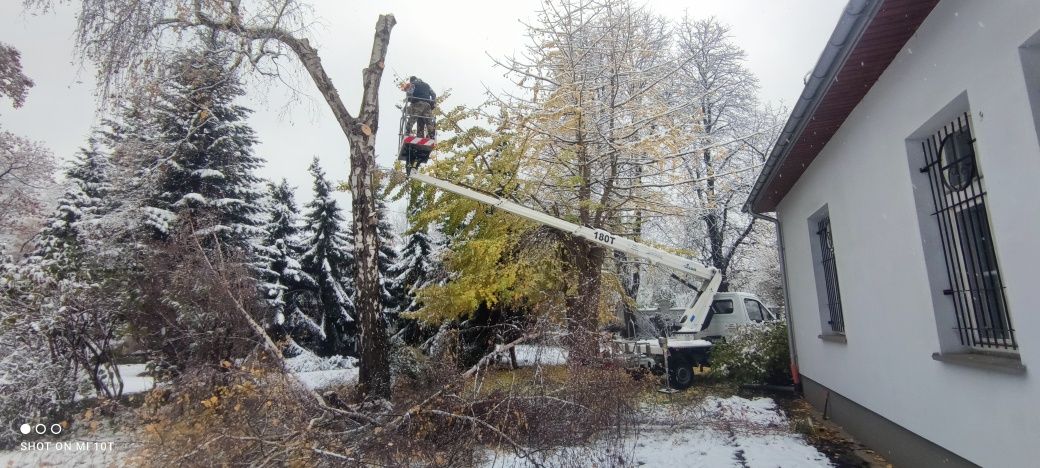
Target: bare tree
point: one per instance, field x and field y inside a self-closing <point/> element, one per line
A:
<point x="26" y="169"/>
<point x="129" y="39"/>
<point x="13" y="83"/>
<point x="731" y="136"/>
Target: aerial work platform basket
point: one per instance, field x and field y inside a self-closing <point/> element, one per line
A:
<point x="414" y="150"/>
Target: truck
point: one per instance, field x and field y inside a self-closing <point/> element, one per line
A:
<point x="686" y="350"/>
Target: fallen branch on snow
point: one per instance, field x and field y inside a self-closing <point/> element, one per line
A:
<point x="499" y="350"/>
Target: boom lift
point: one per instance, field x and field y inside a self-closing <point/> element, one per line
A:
<point x="676" y="353"/>
<point x="683" y="344"/>
<point x="705" y="279"/>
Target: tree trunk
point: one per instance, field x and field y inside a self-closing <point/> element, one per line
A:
<point x="586" y="260"/>
<point x="712" y="222"/>
<point x="374" y="372"/>
<point x="715" y="246"/>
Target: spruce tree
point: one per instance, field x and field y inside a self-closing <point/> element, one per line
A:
<point x="282" y="282"/>
<point x="328" y="259"/>
<point x="60" y="243"/>
<point x="417" y="265"/>
<point x="205" y="153"/>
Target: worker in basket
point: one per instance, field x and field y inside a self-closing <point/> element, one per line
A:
<point x="421" y="100"/>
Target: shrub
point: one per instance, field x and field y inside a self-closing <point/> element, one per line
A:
<point x="754" y="353"/>
<point x="230" y="416"/>
<point x="185" y="315"/>
<point x="35" y="388"/>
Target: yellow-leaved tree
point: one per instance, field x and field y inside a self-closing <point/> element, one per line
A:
<point x="599" y="136"/>
<point x="494" y="261"/>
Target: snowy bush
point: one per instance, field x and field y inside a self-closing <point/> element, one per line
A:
<point x="409" y="364"/>
<point x="35" y="387"/>
<point x="52" y="332"/>
<point x="36" y="381"/>
<point x="187" y="305"/>
<point x="754" y="353"/>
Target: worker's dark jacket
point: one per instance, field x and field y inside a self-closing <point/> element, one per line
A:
<point x="421" y="92"/>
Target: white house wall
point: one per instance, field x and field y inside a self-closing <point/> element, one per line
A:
<point x="863" y="177"/>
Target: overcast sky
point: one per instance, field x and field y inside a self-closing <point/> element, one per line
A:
<point x="446" y="43"/>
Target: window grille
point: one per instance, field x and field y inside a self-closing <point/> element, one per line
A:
<point x="975" y="286"/>
<point x="830" y="276"/>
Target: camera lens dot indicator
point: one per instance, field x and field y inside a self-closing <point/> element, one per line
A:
<point x="55" y="429"/>
<point x="40" y="429"/>
<point x="26" y="428"/>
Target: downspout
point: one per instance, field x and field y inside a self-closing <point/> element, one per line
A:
<point x="795" y="378"/>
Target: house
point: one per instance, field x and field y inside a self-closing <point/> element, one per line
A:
<point x="906" y="190"/>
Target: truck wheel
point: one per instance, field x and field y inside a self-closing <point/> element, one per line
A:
<point x="680" y="374"/>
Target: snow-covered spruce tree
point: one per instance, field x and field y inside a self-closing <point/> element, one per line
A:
<point x="283" y="284"/>
<point x="187" y="179"/>
<point x="206" y="154"/>
<point x="329" y="261"/>
<point x="59" y="244"/>
<point x="417" y="264"/>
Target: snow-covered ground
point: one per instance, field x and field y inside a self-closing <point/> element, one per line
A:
<point x="530" y="355"/>
<point x="134" y="378"/>
<point x="317" y="373"/>
<point x="327" y="378"/>
<point x="719" y="432"/>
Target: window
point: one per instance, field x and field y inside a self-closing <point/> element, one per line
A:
<point x="755" y="310"/>
<point x="722" y="306"/>
<point x="974" y="284"/>
<point x="829" y="270"/>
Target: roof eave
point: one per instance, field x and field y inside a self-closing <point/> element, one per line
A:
<point x="853" y="22"/>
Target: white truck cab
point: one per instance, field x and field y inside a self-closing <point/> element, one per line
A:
<point x="730" y="310"/>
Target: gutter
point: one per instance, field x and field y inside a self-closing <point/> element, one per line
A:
<point x="854" y="21"/>
<point x="795" y="376"/>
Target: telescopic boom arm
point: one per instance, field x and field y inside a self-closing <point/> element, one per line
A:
<point x="705" y="279"/>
